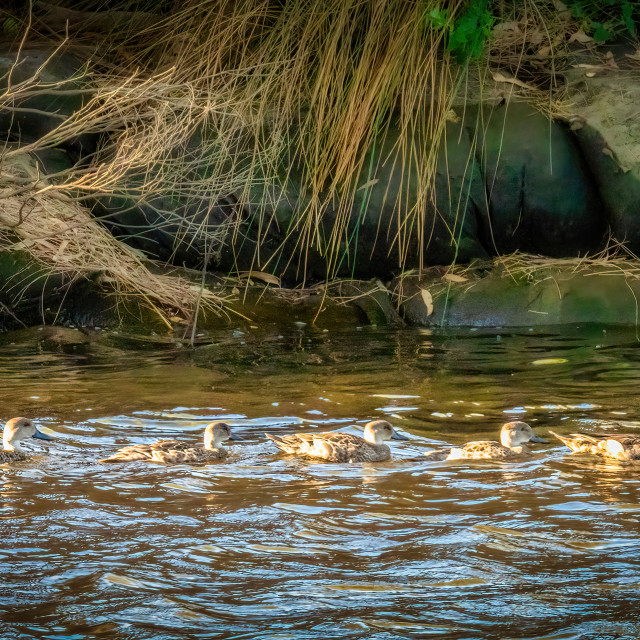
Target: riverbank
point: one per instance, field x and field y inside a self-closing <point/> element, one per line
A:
<point x="143" y="188"/>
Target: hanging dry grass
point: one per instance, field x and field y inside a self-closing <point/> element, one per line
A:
<point x="322" y="81"/>
<point x="225" y="98"/>
<point x="264" y="86"/>
<point x="63" y="238"/>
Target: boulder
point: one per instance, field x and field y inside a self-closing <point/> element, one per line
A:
<point x="498" y="297"/>
<point x="540" y="192"/>
<point x="607" y="132"/>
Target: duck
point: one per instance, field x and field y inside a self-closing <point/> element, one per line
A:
<point x="176" y="452"/>
<point x="513" y="435"/>
<point x="619" y="446"/>
<point x="15" y="431"/>
<point x="342" y="447"/>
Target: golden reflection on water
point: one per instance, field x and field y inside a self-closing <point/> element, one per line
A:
<point x="268" y="546"/>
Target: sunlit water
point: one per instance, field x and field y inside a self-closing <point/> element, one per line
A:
<point x="263" y="545"/>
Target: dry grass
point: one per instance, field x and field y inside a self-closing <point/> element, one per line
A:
<point x="616" y="259"/>
<point x="265" y="86"/>
<point x="225" y="97"/>
<point x="63" y="238"/>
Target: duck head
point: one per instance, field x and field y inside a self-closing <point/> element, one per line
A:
<point x="378" y="431"/>
<point x="18" y="429"/>
<point x="516" y="433"/>
<point x="216" y="433"/>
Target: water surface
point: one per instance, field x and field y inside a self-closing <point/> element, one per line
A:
<point x="262" y="545"/>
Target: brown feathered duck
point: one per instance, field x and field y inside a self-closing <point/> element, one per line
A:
<point x="513" y="435"/>
<point x="342" y="447"/>
<point x="176" y="452"/>
<point x="15" y="431"/>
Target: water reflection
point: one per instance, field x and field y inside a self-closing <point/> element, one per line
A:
<point x="266" y="546"/>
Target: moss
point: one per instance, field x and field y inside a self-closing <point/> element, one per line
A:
<point x="548" y="297"/>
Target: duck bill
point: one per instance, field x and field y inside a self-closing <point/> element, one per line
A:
<point x="539" y="439"/>
<point x="41" y="436"/>
<point x="398" y="436"/>
<point x="234" y="437"/>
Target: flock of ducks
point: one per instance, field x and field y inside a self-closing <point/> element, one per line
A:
<point x="337" y="446"/>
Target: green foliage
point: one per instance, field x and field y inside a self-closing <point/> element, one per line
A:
<point x="471" y="30"/>
<point x="606" y="19"/>
<point x="467" y="32"/>
<point x="438" y="18"/>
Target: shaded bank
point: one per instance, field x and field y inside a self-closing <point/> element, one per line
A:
<point x="173" y="174"/>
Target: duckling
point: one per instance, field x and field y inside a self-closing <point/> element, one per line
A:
<point x="620" y="446"/>
<point x="342" y="447"/>
<point x="512" y="437"/>
<point x="176" y="452"/>
<point x="16" y="430"/>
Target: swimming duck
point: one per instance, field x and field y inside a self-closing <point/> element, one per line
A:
<point x="342" y="447"/>
<point x="620" y="446"/>
<point x="176" y="452"/>
<point x="513" y="435"/>
<point x="16" y="430"/>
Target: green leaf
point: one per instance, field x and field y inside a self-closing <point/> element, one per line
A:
<point x="600" y="34"/>
<point x="471" y="30"/>
<point x="627" y="18"/>
<point x="438" y="18"/>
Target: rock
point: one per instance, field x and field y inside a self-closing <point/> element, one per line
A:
<point x="498" y="298"/>
<point x="171" y="229"/>
<point x="608" y="134"/>
<point x="373" y="298"/>
<point x="461" y="202"/>
<point x="23" y="286"/>
<point x="52" y="161"/>
<point x="541" y="195"/>
<point x="442" y="226"/>
<point x="375" y="241"/>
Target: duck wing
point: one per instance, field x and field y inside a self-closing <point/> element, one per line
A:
<point x="622" y="438"/>
<point x="141" y="451"/>
<point x="184" y="453"/>
<point x="171" y="445"/>
<point x="482" y="449"/>
<point x="339" y="439"/>
<point x="578" y="442"/>
<point x="620" y="446"/>
<point x="334" y="445"/>
<point x="12" y="456"/>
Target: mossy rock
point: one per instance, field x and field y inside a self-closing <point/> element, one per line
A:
<point x="24" y="285"/>
<point x="376" y="241"/>
<point x="607" y="131"/>
<point x="52" y="161"/>
<point x="498" y="299"/>
<point x="446" y="219"/>
<point x="460" y="202"/>
<point x="541" y="195"/>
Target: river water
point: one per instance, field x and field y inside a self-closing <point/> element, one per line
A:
<point x="262" y="545"/>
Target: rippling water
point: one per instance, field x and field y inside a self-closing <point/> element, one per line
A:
<point x="266" y="546"/>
